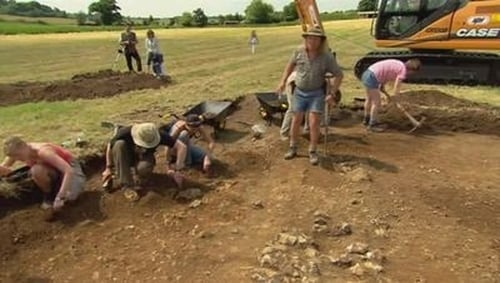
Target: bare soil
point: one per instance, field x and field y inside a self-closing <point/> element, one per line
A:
<point x="84" y="86"/>
<point x="426" y="206"/>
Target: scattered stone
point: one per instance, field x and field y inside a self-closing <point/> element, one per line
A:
<point x="343" y="261"/>
<point x="189" y="194"/>
<point x="313" y="269"/>
<point x="359" y="175"/>
<point x="311" y="253"/>
<point x="196" y="203"/>
<point x="95" y="276"/>
<point x="357" y="270"/>
<point x="258" y="278"/>
<point x="321" y="214"/>
<point x="355" y="201"/>
<point x="341" y="230"/>
<point x="258" y="204"/>
<point x="235" y="231"/>
<point x="205" y="235"/>
<point x="85" y="223"/>
<point x="357" y="248"/>
<point x="273" y="249"/>
<point x="373" y="266"/>
<point x="320" y="229"/>
<point x="381" y="232"/>
<point x="267" y="261"/>
<point x="287" y="239"/>
<point x="375" y="256"/>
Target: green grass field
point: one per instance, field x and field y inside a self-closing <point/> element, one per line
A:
<point x="206" y="63"/>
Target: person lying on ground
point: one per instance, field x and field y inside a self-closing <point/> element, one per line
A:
<point x="135" y="147"/>
<point x="54" y="170"/>
<point x="128" y="41"/>
<point x="374" y="80"/>
<point x="155" y="56"/>
<point x="185" y="130"/>
<point x="312" y="62"/>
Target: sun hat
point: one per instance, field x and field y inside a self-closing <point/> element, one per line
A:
<point x="146" y="135"/>
<point x="314" y="31"/>
<point x="193" y="120"/>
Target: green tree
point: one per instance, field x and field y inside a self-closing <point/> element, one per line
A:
<point x="199" y="18"/>
<point x="259" y="12"/>
<point x="186" y="20"/>
<point x="109" y="10"/>
<point x="81" y="18"/>
<point x="221" y="19"/>
<point x="367" y="5"/>
<point x="290" y="12"/>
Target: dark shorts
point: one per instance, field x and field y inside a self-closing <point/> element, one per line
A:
<point x="370" y="80"/>
<point x="310" y="101"/>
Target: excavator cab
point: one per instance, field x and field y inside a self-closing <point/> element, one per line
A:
<point x="402" y="19"/>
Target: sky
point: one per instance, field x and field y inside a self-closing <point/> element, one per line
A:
<point x="166" y="8"/>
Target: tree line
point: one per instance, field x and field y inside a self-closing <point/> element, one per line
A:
<point x="108" y="12"/>
<point x="30" y="9"/>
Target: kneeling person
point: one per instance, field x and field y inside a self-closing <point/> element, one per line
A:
<point x="55" y="171"/>
<point x="184" y="130"/>
<point x="135" y="147"/>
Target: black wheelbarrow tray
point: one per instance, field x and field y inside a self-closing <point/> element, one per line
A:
<point x="214" y="113"/>
<point x="271" y="104"/>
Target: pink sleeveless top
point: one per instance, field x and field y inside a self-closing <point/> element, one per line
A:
<point x="60" y="151"/>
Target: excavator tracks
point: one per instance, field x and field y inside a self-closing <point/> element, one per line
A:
<point x="455" y="68"/>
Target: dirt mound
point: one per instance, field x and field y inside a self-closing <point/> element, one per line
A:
<point x="83" y="86"/>
<point x="443" y="112"/>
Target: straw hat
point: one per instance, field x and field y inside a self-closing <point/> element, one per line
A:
<point x="314" y="31"/>
<point x="146" y="135"/>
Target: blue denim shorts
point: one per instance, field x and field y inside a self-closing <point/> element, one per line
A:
<point x="370" y="80"/>
<point x="197" y="154"/>
<point x="311" y="101"/>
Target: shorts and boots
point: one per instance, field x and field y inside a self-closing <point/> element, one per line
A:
<point x="372" y="102"/>
<point x="311" y="103"/>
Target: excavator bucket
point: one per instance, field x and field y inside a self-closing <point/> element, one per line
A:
<point x="308" y="14"/>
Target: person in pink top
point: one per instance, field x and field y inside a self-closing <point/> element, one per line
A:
<point x="374" y="80"/>
<point x="54" y="170"/>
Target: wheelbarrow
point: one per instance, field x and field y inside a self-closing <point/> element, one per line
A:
<point x="214" y="113"/>
<point x="271" y="104"/>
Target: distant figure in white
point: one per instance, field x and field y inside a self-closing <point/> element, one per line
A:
<point x="254" y="41"/>
<point x="155" y="57"/>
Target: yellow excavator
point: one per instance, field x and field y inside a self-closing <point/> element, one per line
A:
<point x="433" y="31"/>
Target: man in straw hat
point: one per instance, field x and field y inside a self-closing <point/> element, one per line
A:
<point x="135" y="146"/>
<point x="312" y="62"/>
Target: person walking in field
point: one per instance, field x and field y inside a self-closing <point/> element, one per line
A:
<point x="254" y="41"/>
<point x="55" y="170"/>
<point x="128" y="41"/>
<point x="312" y="62"/>
<point x="154" y="55"/>
<point x="374" y="80"/>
